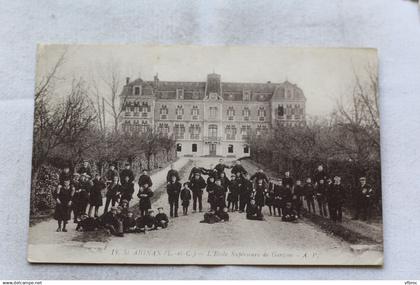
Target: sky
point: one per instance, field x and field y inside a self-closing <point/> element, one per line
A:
<point x="324" y="74"/>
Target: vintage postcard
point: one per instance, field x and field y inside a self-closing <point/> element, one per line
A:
<point x="206" y="155"/>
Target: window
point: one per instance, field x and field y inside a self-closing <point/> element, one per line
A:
<point x="230" y="132"/>
<point x="247" y="95"/>
<point x="213" y="131"/>
<point x="178" y="147"/>
<point x="144" y="126"/>
<point x="261" y="130"/>
<point x="179" y="131"/>
<point x="230" y="148"/>
<point x="288" y="112"/>
<point x="163" y="129"/>
<point x="261" y="114"/>
<point x="163" y="112"/>
<point x="213" y="112"/>
<point x="246" y="113"/>
<point x="194" y="147"/>
<point x="137" y="90"/>
<point x="245" y="131"/>
<point x="179" y="112"/>
<point x="195" y="112"/>
<point x="195" y="131"/>
<point x="180" y="94"/>
<point x="246" y="149"/>
<point x="230" y="113"/>
<point x="280" y="111"/>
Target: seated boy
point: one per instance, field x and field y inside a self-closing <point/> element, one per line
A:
<point x="161" y="219"/>
<point x="211" y="217"/>
<point x="289" y="214"/>
<point x="253" y="212"/>
<point x="147" y="222"/>
<point x="111" y="223"/>
<point x="87" y="224"/>
<point x="129" y="223"/>
<point x="222" y="213"/>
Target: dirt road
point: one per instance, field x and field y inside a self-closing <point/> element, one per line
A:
<point x="187" y="241"/>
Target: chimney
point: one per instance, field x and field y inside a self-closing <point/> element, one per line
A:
<point x="156" y="80"/>
<point x="268" y="82"/>
<point x="127" y="80"/>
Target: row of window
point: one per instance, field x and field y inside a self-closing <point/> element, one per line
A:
<point x="194" y="148"/>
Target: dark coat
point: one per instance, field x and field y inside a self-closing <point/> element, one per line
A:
<point x="162" y="217"/>
<point x="129" y="223"/>
<point x="95" y="198"/>
<point x="253" y="212"/>
<point x="269" y="195"/>
<point x="309" y="191"/>
<point x="127" y="172"/>
<point x="318" y="175"/>
<point x="110" y="174"/>
<point x="336" y="195"/>
<point x="245" y="189"/>
<point x="185" y="197"/>
<point x="259" y="175"/>
<point x="172" y="172"/>
<point x="197" y="184"/>
<point x="144" y="199"/>
<point x="279" y="195"/>
<point x="233" y="191"/>
<point x="238" y="169"/>
<point x="195" y="170"/>
<point x="146" y="221"/>
<point x="260" y="191"/>
<point x="219" y="196"/>
<point x="127" y="191"/>
<point x="320" y="192"/>
<point x="220" y="167"/>
<point x="65" y="176"/>
<point x="173" y="190"/>
<point x="62" y="208"/>
<point x="114" y="191"/>
<point x="145" y="179"/>
<point x="288" y="181"/>
<point x="109" y="219"/>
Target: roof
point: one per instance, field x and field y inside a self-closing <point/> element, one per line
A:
<point x="231" y="91"/>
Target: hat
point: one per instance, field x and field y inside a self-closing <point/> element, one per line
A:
<point x="76" y="174"/>
<point x="150" y="211"/>
<point x="362" y="178"/>
<point x="160" y="208"/>
<point x="124" y="201"/>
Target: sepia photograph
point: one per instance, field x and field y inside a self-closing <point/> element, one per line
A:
<point x="206" y="155"/>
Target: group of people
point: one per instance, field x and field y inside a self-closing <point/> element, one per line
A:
<point x="81" y="193"/>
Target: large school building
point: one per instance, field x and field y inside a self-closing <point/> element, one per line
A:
<point x="210" y="118"/>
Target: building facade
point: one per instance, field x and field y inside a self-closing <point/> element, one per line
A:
<point x="210" y="118"/>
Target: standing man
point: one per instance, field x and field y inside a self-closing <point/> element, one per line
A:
<point x="197" y="185"/>
<point x="172" y="172"/>
<point x="173" y="189"/>
<point x="320" y="191"/>
<point x="309" y="192"/>
<point x="335" y="200"/>
<point x="65" y="175"/>
<point x="110" y="173"/>
<point x="245" y="190"/>
<point x="319" y="174"/>
<point x="112" y="194"/>
<point x="220" y="167"/>
<point x="259" y="175"/>
<point x="127" y="172"/>
<point x="195" y="170"/>
<point x="287" y="180"/>
<point x="364" y="200"/>
<point x="219" y="195"/>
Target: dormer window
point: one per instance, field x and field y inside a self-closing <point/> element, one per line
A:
<point x="247" y="95"/>
<point x="180" y="94"/>
<point x="137" y="90"/>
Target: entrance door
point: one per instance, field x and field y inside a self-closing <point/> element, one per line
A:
<point x="212" y="148"/>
